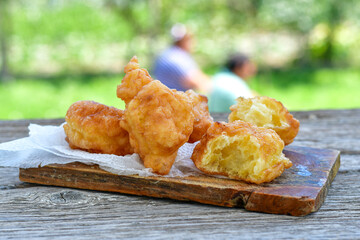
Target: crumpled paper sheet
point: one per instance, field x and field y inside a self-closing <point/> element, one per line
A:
<point x="46" y="145"/>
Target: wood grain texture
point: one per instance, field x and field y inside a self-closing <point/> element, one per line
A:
<point x="39" y="212"/>
<point x="301" y="189"/>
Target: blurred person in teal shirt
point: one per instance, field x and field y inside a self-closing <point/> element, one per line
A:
<point x="231" y="83"/>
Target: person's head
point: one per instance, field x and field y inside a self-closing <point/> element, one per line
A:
<point x="182" y="37"/>
<point x="241" y="65"/>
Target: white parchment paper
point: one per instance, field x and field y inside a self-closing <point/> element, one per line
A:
<point x="46" y="145"/>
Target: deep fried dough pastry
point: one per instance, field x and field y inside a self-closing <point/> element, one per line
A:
<point x="240" y="150"/>
<point x="203" y="120"/>
<point x="159" y="122"/>
<point x="266" y="112"/>
<point x="95" y="127"/>
<point x="135" y="78"/>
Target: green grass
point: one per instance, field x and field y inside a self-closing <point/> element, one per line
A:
<point x="297" y="89"/>
<point x="32" y="98"/>
<point x="311" y="89"/>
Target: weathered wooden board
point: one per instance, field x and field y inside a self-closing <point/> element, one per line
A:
<point x="299" y="191"/>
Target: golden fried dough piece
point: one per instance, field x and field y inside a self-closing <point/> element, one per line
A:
<point x="95" y="127"/>
<point x="240" y="150"/>
<point x="159" y="122"/>
<point x="135" y="78"/>
<point x="203" y="120"/>
<point x="266" y="112"/>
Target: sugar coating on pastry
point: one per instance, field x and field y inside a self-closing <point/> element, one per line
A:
<point x="242" y="151"/>
<point x="266" y="112"/>
<point x="159" y="122"/>
<point x="95" y="127"/>
<point x="202" y="120"/>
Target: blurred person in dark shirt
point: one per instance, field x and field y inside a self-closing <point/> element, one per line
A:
<point x="176" y="68"/>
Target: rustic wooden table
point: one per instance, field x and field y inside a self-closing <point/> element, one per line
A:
<point x="35" y="211"/>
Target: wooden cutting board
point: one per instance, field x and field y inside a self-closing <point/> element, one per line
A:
<point x="299" y="191"/>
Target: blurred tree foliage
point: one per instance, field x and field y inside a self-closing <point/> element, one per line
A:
<point x="52" y="36"/>
<point x="5" y="33"/>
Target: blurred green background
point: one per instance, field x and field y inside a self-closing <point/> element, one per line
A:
<point x="55" y="52"/>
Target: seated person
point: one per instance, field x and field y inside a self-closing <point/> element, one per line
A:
<point x="176" y="68"/>
<point x="230" y="83"/>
